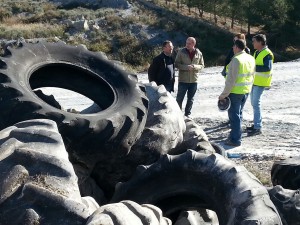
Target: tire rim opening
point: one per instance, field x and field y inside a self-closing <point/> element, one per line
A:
<point x="69" y="101"/>
<point x="75" y="89"/>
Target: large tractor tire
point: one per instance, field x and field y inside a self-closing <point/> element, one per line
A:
<point x="163" y="132"/>
<point x="286" y="173"/>
<point x="287" y="203"/>
<point x="88" y="137"/>
<point x="165" y="124"/>
<point x="128" y="213"/>
<point x="37" y="182"/>
<point x="195" y="180"/>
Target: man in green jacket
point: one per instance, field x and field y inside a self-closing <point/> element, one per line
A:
<point x="189" y="61"/>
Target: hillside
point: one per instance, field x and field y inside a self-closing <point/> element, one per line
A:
<point x="128" y="32"/>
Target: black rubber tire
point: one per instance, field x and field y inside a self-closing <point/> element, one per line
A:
<point x="49" y="99"/>
<point x="287" y="203"/>
<point x="219" y="149"/>
<point x="163" y="131"/>
<point x="196" y="139"/>
<point x="88" y="137"/>
<point x="165" y="123"/>
<point x="37" y="182"/>
<point x="128" y="212"/>
<point x="195" y="180"/>
<point x="286" y="173"/>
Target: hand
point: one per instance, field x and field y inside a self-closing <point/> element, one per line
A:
<point x="191" y="67"/>
<point x="221" y="97"/>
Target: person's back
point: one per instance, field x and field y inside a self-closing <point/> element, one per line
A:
<point x="237" y="88"/>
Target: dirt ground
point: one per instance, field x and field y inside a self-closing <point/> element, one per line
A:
<point x="280" y="111"/>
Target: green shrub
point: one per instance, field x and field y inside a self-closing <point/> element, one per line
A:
<point x="101" y="46"/>
<point x="4" y="14"/>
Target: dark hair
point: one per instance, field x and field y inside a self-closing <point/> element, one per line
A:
<point x="240" y="44"/>
<point x="166" y="42"/>
<point x="261" y="38"/>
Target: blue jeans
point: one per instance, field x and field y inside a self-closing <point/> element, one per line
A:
<point x="190" y="89"/>
<point x="235" y="114"/>
<point x="255" y="96"/>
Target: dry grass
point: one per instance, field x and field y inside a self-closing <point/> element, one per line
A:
<point x="260" y="169"/>
<point x="12" y="29"/>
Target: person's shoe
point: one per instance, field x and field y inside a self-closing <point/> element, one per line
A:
<point x="249" y="128"/>
<point x="230" y="143"/>
<point x="189" y="117"/>
<point x="254" y="132"/>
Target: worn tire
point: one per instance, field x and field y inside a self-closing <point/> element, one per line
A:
<point x="196" y="180"/>
<point x="286" y="173"/>
<point x="163" y="132"/>
<point x="128" y="213"/>
<point x="110" y="132"/>
<point x="196" y="139"/>
<point x="287" y="203"/>
<point x="164" y="125"/>
<point x="197" y="217"/>
<point x="219" y="149"/>
<point x="37" y="182"/>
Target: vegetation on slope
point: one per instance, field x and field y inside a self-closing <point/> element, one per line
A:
<point x="134" y="37"/>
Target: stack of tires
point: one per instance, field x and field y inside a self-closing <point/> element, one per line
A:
<point x="54" y="164"/>
<point x="285" y="194"/>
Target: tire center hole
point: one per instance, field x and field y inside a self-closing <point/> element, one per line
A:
<point x="69" y="100"/>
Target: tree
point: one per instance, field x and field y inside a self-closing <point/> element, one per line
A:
<point x="235" y="10"/>
<point x="201" y="5"/>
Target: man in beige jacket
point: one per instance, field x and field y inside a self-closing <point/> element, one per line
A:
<point x="189" y="61"/>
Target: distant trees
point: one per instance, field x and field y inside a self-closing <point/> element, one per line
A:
<point x="273" y="15"/>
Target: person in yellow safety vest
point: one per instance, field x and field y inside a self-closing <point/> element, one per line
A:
<point x="264" y="59"/>
<point x="238" y="85"/>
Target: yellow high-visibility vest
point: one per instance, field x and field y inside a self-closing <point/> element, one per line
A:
<point x="263" y="79"/>
<point x="245" y="77"/>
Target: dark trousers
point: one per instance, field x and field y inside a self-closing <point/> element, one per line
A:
<point x="235" y="114"/>
<point x="190" y="89"/>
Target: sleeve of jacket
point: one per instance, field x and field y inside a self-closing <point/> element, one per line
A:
<point x="231" y="77"/>
<point x="179" y="61"/>
<point x="200" y="65"/>
<point x="153" y="70"/>
<point x="228" y="58"/>
<point x="173" y="80"/>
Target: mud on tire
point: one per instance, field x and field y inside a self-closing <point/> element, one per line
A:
<point x="34" y="65"/>
<point x="37" y="182"/>
<point x="196" y="180"/>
